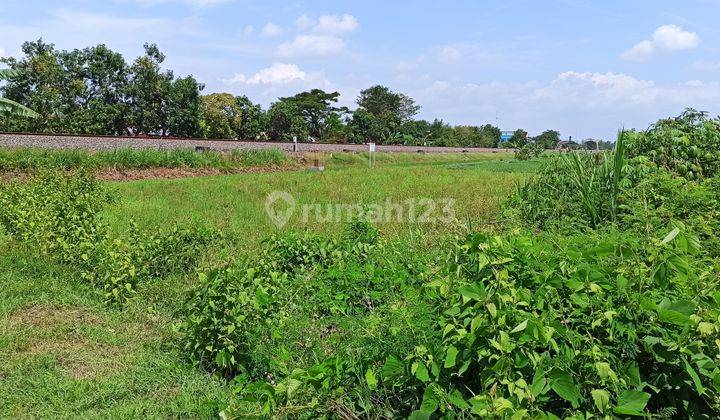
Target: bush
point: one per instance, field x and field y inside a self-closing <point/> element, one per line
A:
<point x="553" y="326"/>
<point x="619" y="319"/>
<point x="688" y="145"/>
<point x="59" y="215"/>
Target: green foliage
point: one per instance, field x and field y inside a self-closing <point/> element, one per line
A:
<point x="547" y="139"/>
<point x="564" y="326"/>
<point x="59" y="216"/>
<point x="315" y="108"/>
<point x="94" y="91"/>
<point x="688" y="145"/>
<point x="528" y="151"/>
<point x="31" y="160"/>
<point x="222" y="116"/>
<point x="285" y="122"/>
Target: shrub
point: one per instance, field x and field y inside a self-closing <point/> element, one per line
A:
<point x="688" y="145"/>
<point x="554" y="326"/>
<point x="59" y="215"/>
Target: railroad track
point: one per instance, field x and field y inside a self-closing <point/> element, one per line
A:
<point x="63" y="141"/>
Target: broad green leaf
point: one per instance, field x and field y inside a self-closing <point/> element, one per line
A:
<point x="474" y="291"/>
<point x="430" y="401"/>
<point x="421" y="372"/>
<point x="601" y="398"/>
<point x="677" y="312"/>
<point x="696" y="379"/>
<point x="538" y="383"/>
<point x="632" y="402"/>
<point x="419" y="415"/>
<point x="370" y="379"/>
<point x="450" y="357"/>
<point x="292" y="386"/>
<point x="520" y="327"/>
<point x="392" y="368"/>
<point x="492" y="309"/>
<point x="562" y="383"/>
<point x="670" y="236"/>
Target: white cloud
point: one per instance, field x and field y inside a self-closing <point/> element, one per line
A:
<point x="278" y="73"/>
<point x="665" y="38"/>
<point x="271" y="30"/>
<point x="312" y="46"/>
<point x="304" y="23"/>
<point x="334" y="24"/>
<point x="248" y="30"/>
<point x="277" y="81"/>
<point x="581" y="104"/>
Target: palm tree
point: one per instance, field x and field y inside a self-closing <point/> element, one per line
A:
<point x="8" y="107"/>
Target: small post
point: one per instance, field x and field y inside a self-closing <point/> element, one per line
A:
<point x="371" y="156"/>
<point x="295" y="146"/>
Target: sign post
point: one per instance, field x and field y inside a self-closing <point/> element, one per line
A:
<point x="371" y="156"/>
<point x="295" y="149"/>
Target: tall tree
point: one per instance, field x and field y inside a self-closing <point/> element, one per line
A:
<point x="548" y="139"/>
<point x="221" y="116"/>
<point x="285" y="120"/>
<point x="148" y="90"/>
<point x="254" y="119"/>
<point x="184" y="108"/>
<point x="36" y="80"/>
<point x="94" y="96"/>
<point x="382" y="102"/>
<point x="315" y="107"/>
<point x="10" y="108"/>
<point x="519" y="138"/>
<point x="366" y="127"/>
<point x="389" y="110"/>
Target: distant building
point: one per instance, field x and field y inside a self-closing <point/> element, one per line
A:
<point x="506" y="136"/>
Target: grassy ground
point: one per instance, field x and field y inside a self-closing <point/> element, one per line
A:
<point x="28" y="159"/>
<point x="64" y="354"/>
<point x="236" y="203"/>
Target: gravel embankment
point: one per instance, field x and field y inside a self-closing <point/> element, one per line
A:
<point x="110" y="143"/>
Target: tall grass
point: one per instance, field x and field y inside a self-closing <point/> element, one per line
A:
<point x="575" y="189"/>
<point x="597" y="179"/>
<point x="27" y="159"/>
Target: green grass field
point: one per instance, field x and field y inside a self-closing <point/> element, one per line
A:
<point x="66" y="354"/>
<point x="235" y="203"/>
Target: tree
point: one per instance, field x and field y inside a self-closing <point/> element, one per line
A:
<point x="37" y="81"/>
<point x="519" y="138"/>
<point x="149" y="89"/>
<point x="11" y="108"/>
<point x="221" y="116"/>
<point x="490" y="136"/>
<point x="94" y="93"/>
<point x="389" y="109"/>
<point x="366" y="127"/>
<point x="184" y="108"/>
<point x="382" y="102"/>
<point x="548" y="139"/>
<point x="315" y="107"/>
<point x="285" y="121"/>
<point x="254" y="119"/>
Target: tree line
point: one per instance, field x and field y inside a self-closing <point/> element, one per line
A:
<point x="95" y="91"/>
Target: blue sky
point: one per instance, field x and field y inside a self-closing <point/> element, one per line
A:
<point x="583" y="67"/>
